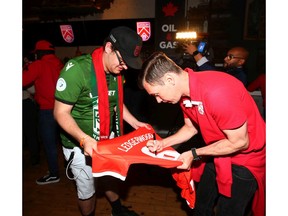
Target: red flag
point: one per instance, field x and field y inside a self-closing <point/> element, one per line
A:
<point x="67" y="33"/>
<point x="144" y="30"/>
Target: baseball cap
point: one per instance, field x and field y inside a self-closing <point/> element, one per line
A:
<point x="129" y="44"/>
<point x="43" y="45"/>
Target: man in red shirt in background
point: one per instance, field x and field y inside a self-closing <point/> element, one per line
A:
<point x="260" y="84"/>
<point x="43" y="73"/>
<point x="230" y="167"/>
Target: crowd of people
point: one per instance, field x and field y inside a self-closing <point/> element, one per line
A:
<point x="81" y="102"/>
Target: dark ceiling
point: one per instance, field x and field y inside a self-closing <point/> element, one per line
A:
<point x="51" y="10"/>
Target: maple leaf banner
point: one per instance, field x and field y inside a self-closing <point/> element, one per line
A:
<point x="170" y="18"/>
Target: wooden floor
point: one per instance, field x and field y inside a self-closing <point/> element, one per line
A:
<point x="148" y="190"/>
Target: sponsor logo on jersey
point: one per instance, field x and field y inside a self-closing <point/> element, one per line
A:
<point x="61" y="84"/>
<point x="190" y="104"/>
<point x="69" y="65"/>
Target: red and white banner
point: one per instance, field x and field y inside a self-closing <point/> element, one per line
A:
<point x="67" y="33"/>
<point x="144" y="30"/>
<point x="169" y="19"/>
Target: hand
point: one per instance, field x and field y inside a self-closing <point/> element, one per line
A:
<point x="187" y="159"/>
<point x="89" y="145"/>
<point x="154" y="145"/>
<point x="189" y="48"/>
<point x="138" y="124"/>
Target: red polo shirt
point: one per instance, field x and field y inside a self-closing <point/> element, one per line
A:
<point x="223" y="104"/>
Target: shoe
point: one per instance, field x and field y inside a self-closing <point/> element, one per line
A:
<point x="125" y="212"/>
<point x="47" y="179"/>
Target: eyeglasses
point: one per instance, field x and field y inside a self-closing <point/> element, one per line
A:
<point x="121" y="62"/>
<point x="230" y="56"/>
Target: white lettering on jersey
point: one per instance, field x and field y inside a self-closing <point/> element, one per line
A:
<point x="126" y="146"/>
<point x="166" y="154"/>
<point x="111" y="93"/>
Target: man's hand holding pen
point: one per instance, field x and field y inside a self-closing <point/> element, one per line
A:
<point x="154" y="145"/>
<point x="154" y="139"/>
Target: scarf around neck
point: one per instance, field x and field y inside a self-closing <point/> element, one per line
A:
<point x="100" y="99"/>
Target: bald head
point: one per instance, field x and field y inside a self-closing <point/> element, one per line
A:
<point x="239" y="51"/>
<point x="236" y="57"/>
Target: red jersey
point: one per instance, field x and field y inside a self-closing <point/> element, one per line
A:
<point x="114" y="157"/>
<point x="220" y="102"/>
<point x="44" y="74"/>
<point x="259" y="83"/>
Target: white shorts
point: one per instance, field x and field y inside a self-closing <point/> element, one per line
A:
<point x="82" y="172"/>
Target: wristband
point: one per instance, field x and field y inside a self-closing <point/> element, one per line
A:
<point x="82" y="141"/>
<point x="195" y="156"/>
<point x="196" y="52"/>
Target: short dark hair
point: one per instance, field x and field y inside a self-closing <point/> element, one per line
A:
<point x="155" y="67"/>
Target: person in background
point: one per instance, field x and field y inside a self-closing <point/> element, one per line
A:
<point x="259" y="84"/>
<point x="230" y="168"/>
<point x="233" y="62"/>
<point x="135" y="99"/>
<point x="89" y="107"/>
<point x="78" y="52"/>
<point x="43" y="74"/>
<point x="29" y="119"/>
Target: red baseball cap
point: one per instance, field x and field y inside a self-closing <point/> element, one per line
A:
<point x="43" y="45"/>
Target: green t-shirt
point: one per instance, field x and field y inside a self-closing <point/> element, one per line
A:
<point x="74" y="88"/>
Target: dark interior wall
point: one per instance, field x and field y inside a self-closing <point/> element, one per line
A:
<point x="93" y="33"/>
<point x="165" y="117"/>
<point x="256" y="46"/>
<point x="86" y="33"/>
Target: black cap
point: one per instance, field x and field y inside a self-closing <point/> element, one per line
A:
<point x="129" y="44"/>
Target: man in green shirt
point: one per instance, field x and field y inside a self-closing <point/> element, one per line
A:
<point x="89" y="107"/>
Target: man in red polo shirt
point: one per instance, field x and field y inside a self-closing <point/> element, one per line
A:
<point x="230" y="168"/>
